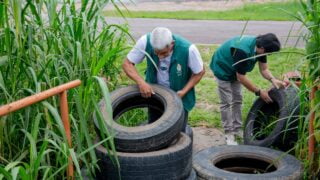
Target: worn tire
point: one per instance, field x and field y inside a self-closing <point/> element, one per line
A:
<point x="172" y="163"/>
<point x="85" y="174"/>
<point x="286" y="107"/>
<point x="213" y="163"/>
<point x="150" y="137"/>
<point x="289" y="135"/>
<point x="193" y="175"/>
<point x="189" y="132"/>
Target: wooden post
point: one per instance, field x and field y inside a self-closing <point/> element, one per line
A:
<point x="6" y="109"/>
<point x="62" y="91"/>
<point x="64" y="110"/>
<point x="311" y="125"/>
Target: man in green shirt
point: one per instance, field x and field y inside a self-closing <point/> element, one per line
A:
<point x="179" y="66"/>
<point x="230" y="63"/>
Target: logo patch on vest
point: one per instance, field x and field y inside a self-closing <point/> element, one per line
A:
<point x="163" y="68"/>
<point x="179" y="70"/>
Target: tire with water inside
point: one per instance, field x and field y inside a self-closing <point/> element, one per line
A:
<point x="246" y="162"/>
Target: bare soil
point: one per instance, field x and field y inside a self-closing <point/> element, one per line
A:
<point x="204" y="138"/>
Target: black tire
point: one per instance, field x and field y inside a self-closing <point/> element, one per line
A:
<point x="289" y="135"/>
<point x="85" y="174"/>
<point x="172" y="163"/>
<point x="189" y="132"/>
<point x="193" y="175"/>
<point x="285" y="107"/>
<point x="245" y="162"/>
<point x="150" y="137"/>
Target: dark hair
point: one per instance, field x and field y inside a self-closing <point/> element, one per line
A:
<point x="269" y="42"/>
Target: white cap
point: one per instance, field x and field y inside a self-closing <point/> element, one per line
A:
<point x="160" y="37"/>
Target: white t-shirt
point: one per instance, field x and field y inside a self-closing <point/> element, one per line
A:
<point x="137" y="54"/>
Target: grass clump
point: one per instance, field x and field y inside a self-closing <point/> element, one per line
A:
<point x="44" y="44"/>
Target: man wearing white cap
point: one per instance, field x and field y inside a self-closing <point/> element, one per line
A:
<point x="179" y="65"/>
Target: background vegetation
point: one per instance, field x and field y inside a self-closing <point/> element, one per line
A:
<point x="43" y="44"/>
<point x="309" y="16"/>
<point x="275" y="11"/>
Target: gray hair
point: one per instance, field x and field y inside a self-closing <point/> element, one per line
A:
<point x="160" y="38"/>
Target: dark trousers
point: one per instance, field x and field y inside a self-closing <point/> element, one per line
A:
<point x="154" y="115"/>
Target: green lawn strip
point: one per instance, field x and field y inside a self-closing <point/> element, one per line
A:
<point x="253" y="11"/>
<point x="206" y="111"/>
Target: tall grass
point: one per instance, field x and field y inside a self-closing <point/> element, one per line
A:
<point x="310" y="18"/>
<point x="134" y="117"/>
<point x="43" y="44"/>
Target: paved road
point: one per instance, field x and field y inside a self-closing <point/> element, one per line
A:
<point x="216" y="31"/>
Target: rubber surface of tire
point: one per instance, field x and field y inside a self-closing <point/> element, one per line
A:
<point x="284" y="134"/>
<point x="289" y="135"/>
<point x="193" y="175"/>
<point x="189" y="132"/>
<point x="172" y="163"/>
<point x="150" y="137"/>
<point x="85" y="174"/>
<point x="287" y="167"/>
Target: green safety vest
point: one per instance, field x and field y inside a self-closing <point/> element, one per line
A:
<point x="179" y="72"/>
<point x="222" y="60"/>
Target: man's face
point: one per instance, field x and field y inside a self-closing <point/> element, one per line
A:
<point x="163" y="53"/>
<point x="260" y="50"/>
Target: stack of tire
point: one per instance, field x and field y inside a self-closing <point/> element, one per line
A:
<point x="154" y="151"/>
<point x="286" y="108"/>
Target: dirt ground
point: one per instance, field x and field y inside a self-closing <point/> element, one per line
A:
<point x="206" y="137"/>
<point x="186" y="5"/>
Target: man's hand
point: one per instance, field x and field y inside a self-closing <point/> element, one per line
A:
<point x="267" y="75"/>
<point x="265" y="96"/>
<point x="181" y="93"/>
<point x="145" y="89"/>
<point x="278" y="84"/>
<point x="194" y="79"/>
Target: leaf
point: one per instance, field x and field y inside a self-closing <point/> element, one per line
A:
<point x="33" y="146"/>
<point x="93" y="146"/>
<point x="75" y="161"/>
<point x="3" y="60"/>
<point x="57" y="118"/>
<point x="106" y="95"/>
<point x="4" y="173"/>
<point x="39" y="158"/>
<point x="83" y="125"/>
<point x="35" y="128"/>
<point x="14" y="172"/>
<point x="11" y="165"/>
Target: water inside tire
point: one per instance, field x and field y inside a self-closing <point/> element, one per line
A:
<point x="245" y="165"/>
